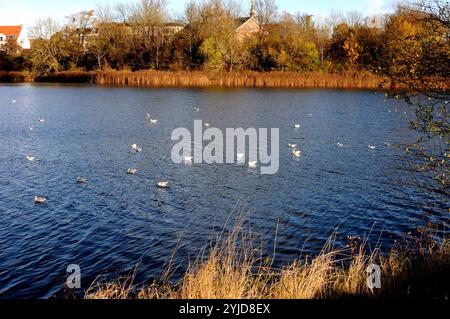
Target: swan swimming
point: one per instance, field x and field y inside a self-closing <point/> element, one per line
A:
<point x="163" y="184"/>
<point x="30" y="158"/>
<point x="132" y="171"/>
<point x="340" y="145"/>
<point x="41" y="200"/>
<point x="297" y="126"/>
<point x="153" y="121"/>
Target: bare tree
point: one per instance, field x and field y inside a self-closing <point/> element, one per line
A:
<point x="266" y="12"/>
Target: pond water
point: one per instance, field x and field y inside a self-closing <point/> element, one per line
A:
<point x="117" y="220"/>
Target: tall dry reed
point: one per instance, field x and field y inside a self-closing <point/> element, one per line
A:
<point x="233" y="269"/>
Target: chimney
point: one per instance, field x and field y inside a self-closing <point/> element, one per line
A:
<point x="252" y="9"/>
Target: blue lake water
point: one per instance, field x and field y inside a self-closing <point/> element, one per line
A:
<point x="117" y="220"/>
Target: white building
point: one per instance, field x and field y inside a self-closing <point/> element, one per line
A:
<point x="14" y="33"/>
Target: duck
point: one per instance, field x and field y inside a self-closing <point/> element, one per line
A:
<point x="162" y="184"/>
<point x="81" y="180"/>
<point x="40" y="200"/>
<point x="132" y="171"/>
<point x="136" y="148"/>
<point x="30" y="158"/>
<point x="253" y="164"/>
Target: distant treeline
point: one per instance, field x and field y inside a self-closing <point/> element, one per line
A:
<point x="139" y="37"/>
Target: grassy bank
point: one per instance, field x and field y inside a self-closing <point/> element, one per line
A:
<point x="233" y="269"/>
<point x="359" y="80"/>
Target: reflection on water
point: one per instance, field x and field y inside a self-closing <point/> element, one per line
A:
<point x="117" y="219"/>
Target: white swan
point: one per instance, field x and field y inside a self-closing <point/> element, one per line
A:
<point x="41" y="200"/>
<point x="292" y="145"/>
<point x="132" y="171"/>
<point x="297" y="126"/>
<point x="339" y="145"/>
<point x="372" y="147"/>
<point x="30" y="158"/>
<point x="163" y="184"/>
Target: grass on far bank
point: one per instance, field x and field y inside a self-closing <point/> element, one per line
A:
<point x="233" y="269"/>
<point x="150" y="78"/>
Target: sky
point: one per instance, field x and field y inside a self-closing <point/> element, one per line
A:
<point x="25" y="12"/>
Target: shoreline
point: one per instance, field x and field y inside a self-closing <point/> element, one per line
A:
<point x="197" y="79"/>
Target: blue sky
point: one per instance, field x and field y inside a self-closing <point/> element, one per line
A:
<point x="27" y="11"/>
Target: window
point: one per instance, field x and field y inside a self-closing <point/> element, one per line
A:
<point x="1" y="39"/>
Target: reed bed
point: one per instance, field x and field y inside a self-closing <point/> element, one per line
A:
<point x="238" y="80"/>
<point x="197" y="79"/>
<point x="233" y="269"/>
<point x="15" y="77"/>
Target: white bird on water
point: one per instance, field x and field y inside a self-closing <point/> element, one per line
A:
<point x="30" y="129"/>
<point x="163" y="184"/>
<point x="297" y="153"/>
<point x="41" y="119"/>
<point x="40" y="200"/>
<point x="252" y="164"/>
<point x="14" y="101"/>
<point x="297" y="126"/>
<point x="81" y="180"/>
<point x="153" y="121"/>
<point x="132" y="171"/>
<point x="372" y="147"/>
<point x="30" y="158"/>
<point x="340" y="145"/>
<point x="196" y="109"/>
<point x="292" y="145"/>
<point x="136" y="148"/>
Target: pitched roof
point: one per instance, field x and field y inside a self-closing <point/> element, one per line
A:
<point x="11" y="30"/>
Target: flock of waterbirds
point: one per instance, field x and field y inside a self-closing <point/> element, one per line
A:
<point x="135" y="148"/>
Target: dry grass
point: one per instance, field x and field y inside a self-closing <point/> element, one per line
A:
<point x="233" y="269"/>
<point x="150" y="78"/>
